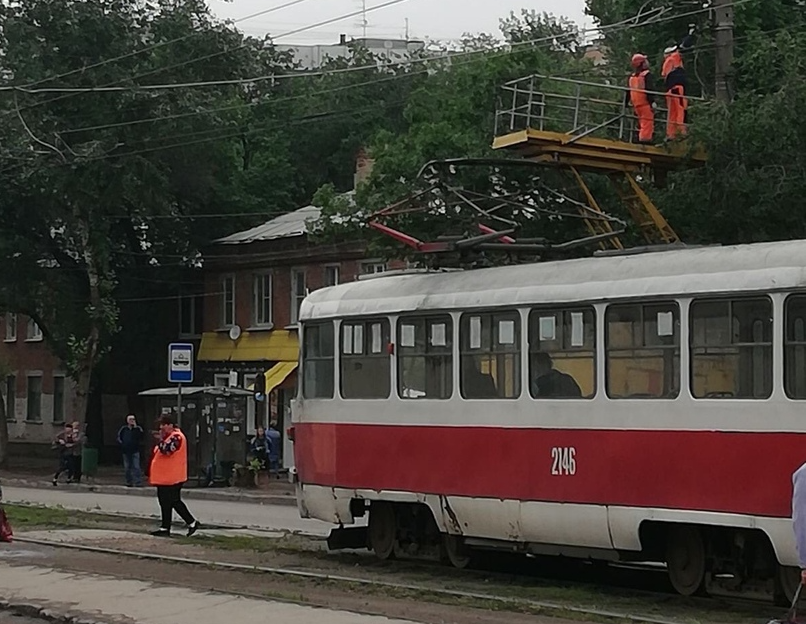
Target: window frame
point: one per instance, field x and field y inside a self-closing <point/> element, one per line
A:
<point x="367" y="352"/>
<point x="336" y="269"/>
<point x="370" y="267"/>
<point x="11" y="327"/>
<point x="429" y="351"/>
<point x="196" y="308"/>
<point x="306" y="359"/>
<point x="61" y="378"/>
<point x="28" y="405"/>
<point x="532" y="348"/>
<point x="261" y="295"/>
<point x="224" y="319"/>
<point x="678" y="345"/>
<point x="731" y="300"/>
<point x="496" y="315"/>
<point x="296" y="298"/>
<point x="33" y="332"/>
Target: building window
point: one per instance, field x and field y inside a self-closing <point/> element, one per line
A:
<point x="562" y="353"/>
<point x="425" y="358"/>
<point x="228" y="301"/>
<point x="370" y="268"/>
<point x="731" y="348"/>
<point x="365" y="362"/>
<point x="11" y="397"/>
<point x="34" y="408"/>
<point x="191" y="310"/>
<point x="58" y="399"/>
<point x="34" y="332"/>
<point x="261" y="300"/>
<point x="331" y="276"/>
<point x="11" y="327"/>
<point x="318" y="361"/>
<point x="643" y="351"/>
<point x="298" y="293"/>
<point x="490" y="350"/>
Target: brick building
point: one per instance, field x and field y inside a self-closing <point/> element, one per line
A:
<point x="255" y="282"/>
<point x="38" y="394"/>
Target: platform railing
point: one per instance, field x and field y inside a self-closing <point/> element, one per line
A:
<point x="577" y="108"/>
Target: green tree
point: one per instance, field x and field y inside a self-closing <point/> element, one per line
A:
<point x="98" y="187"/>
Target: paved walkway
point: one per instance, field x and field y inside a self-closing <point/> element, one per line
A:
<point x="112" y="600"/>
<point x="253" y="515"/>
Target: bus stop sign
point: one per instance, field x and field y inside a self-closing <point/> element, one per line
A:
<point x="180" y="363"/>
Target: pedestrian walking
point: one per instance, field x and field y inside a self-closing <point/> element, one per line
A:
<point x="169" y="472"/>
<point x="64" y="444"/>
<point x="799" y="517"/>
<point x="130" y="438"/>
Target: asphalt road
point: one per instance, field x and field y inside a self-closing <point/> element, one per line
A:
<point x="252" y="515"/>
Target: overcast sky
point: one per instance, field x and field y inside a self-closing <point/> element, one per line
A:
<point x="435" y="19"/>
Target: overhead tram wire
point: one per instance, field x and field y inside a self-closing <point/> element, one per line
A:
<point x="624" y="24"/>
<point x="547" y="40"/>
<point x="162" y="44"/>
<point x="72" y="92"/>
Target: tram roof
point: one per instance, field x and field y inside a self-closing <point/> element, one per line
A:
<point x="677" y="272"/>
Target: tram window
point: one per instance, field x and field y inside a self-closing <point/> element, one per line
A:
<point x="490" y="350"/>
<point x="795" y="348"/>
<point x="643" y="351"/>
<point x="562" y="353"/>
<point x="425" y="357"/>
<point x="365" y="362"/>
<point x="318" y="361"/>
<point x="731" y="348"/>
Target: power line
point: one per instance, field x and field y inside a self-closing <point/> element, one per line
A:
<point x="161" y="44"/>
<point x="622" y="25"/>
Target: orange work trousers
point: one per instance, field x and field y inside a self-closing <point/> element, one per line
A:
<point x="646" y="122"/>
<point x="677" y="104"/>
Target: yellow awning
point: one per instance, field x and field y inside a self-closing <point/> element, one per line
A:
<point x="276" y="346"/>
<point x="278" y="374"/>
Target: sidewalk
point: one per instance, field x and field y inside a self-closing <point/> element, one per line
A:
<point x="95" y="598"/>
<point x="34" y="473"/>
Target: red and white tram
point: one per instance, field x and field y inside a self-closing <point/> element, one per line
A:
<point x="664" y="425"/>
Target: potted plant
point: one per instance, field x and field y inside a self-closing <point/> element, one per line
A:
<point x="254" y="468"/>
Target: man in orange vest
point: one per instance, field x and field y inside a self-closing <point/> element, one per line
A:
<point x="639" y="94"/>
<point x="674" y="76"/>
<point x="169" y="471"/>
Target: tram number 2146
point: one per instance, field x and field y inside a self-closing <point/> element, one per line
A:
<point x="563" y="461"/>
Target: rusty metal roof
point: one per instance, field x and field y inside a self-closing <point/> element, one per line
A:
<point x="286" y="226"/>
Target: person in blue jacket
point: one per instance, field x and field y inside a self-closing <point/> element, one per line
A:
<point x="130" y="438"/>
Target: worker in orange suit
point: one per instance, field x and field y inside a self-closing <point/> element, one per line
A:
<point x="674" y="76"/>
<point x="639" y="94"/>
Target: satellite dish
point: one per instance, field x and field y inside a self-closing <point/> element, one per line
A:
<point x="234" y="332"/>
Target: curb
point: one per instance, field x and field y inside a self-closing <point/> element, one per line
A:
<point x="189" y="493"/>
<point x="32" y="610"/>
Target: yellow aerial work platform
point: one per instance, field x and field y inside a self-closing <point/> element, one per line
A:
<point x="581" y="126"/>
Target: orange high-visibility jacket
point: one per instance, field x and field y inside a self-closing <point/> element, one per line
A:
<point x="672" y="62"/>
<point x="170" y="469"/>
<point x="638" y="86"/>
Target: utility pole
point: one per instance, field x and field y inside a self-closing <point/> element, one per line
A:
<point x="723" y="33"/>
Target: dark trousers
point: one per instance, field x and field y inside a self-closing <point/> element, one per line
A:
<point x="170" y="499"/>
<point x="66" y="464"/>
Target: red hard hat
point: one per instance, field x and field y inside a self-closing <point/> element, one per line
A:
<point x="638" y="60"/>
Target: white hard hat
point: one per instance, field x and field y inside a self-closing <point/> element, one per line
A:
<point x="670" y="49"/>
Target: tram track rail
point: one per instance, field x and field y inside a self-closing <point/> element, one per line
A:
<point x="497" y="601"/>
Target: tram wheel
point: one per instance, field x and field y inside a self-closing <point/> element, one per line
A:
<point x="787" y="580"/>
<point x="685" y="560"/>
<point x="455" y="552"/>
<point x="382" y="530"/>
